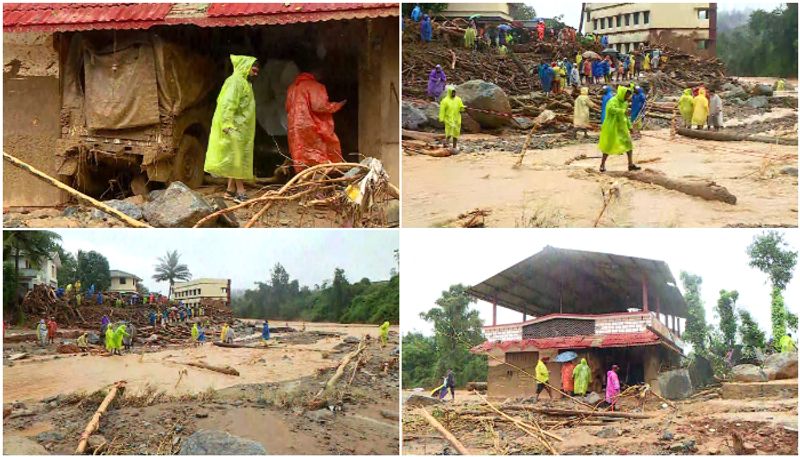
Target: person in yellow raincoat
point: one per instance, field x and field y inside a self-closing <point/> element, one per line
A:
<point x="786" y="343"/>
<point x="110" y="338"/>
<point x="700" y="113"/>
<point x="119" y="334"/>
<point x="647" y="62"/>
<point x="384" y="333"/>
<point x="542" y="378"/>
<point x="450" y="109"/>
<point x="686" y="107"/>
<point x="581" y="375"/>
<point x="82" y="342"/>
<point x="195" y="334"/>
<point x="581" y="114"/>
<point x="469" y="37"/>
<point x="223" y="333"/>
<point x="780" y="85"/>
<point x="615" y="133"/>
<point x="503" y="50"/>
<point x="233" y="129"/>
<point x="578" y="59"/>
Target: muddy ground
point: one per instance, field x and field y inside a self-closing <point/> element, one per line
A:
<point x="553" y="189"/>
<point x="49" y="397"/>
<point x="700" y="427"/>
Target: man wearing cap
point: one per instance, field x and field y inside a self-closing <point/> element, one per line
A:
<point x="542" y="377"/>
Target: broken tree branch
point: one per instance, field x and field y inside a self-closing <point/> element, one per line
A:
<point x="573" y="412"/>
<point x="94" y="423"/>
<point x="725" y="136"/>
<point x="421" y="136"/>
<point x="444" y="432"/>
<point x="77" y="194"/>
<point x="534" y="431"/>
<point x="224" y="370"/>
<point x="342" y="365"/>
<point x="707" y="190"/>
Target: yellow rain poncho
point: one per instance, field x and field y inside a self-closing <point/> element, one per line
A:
<point x="109" y="338"/>
<point x="81" y="341"/>
<point x="787" y="344"/>
<point x="700" y="113"/>
<point x="686" y="106"/>
<point x="581" y="375"/>
<point x="582" y="105"/>
<point x="119" y="334"/>
<point x="647" y="62"/>
<point x="780" y="85"/>
<point x="542" y="375"/>
<point x="195" y="332"/>
<point x="384" y="333"/>
<point x="223" y="333"/>
<point x="469" y="37"/>
<point x="230" y="155"/>
<point x="450" y="109"/>
<point x="615" y="134"/>
<point x="578" y="59"/>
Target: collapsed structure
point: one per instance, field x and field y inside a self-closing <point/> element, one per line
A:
<point x="609" y="309"/>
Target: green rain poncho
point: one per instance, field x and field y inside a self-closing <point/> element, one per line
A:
<point x="384" y="332"/>
<point x="450" y="109"/>
<point x="230" y="155"/>
<point x="119" y="334"/>
<point x="615" y="134"/>
<point x="469" y="38"/>
<point x="581" y="374"/>
<point x="195" y="332"/>
<point x="686" y="106"/>
<point x="109" y="338"/>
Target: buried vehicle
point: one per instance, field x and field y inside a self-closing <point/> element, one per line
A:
<point x="135" y="109"/>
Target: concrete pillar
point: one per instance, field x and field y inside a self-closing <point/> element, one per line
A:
<point x="494" y="312"/>
<point x="645" y="306"/>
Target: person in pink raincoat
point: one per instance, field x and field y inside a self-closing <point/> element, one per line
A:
<point x="612" y="386"/>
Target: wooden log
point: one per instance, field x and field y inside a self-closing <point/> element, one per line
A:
<point x="573" y="412"/>
<point x="444" y="432"/>
<point x="342" y="365"/>
<point x="237" y="346"/>
<point x="707" y="190"/>
<point x="94" y="423"/>
<point x="725" y="136"/>
<point x="224" y="370"/>
<point x="79" y="195"/>
<point x="422" y="136"/>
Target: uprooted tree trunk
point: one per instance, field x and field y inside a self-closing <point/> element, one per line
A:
<point x="94" y="423"/>
<point x="707" y="190"/>
<point x="727" y="136"/>
<point x="223" y="370"/>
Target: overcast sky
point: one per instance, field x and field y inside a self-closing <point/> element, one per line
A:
<point x="572" y="10"/>
<point x="244" y="256"/>
<point x="433" y="260"/>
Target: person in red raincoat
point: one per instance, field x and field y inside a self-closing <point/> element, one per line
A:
<point x="51" y="330"/>
<point x="540" y="30"/>
<point x="312" y="139"/>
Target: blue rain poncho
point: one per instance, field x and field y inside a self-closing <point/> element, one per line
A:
<point x="425" y="29"/>
<point x="265" y="331"/>
<point x="606" y="97"/>
<point x="230" y="155"/>
<point x="637" y="103"/>
<point x="416" y="13"/>
<point x="547" y="75"/>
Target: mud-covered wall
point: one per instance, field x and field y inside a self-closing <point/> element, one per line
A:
<point x="379" y="95"/>
<point x="30" y="116"/>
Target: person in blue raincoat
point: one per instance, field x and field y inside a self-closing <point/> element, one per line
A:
<point x="607" y="95"/>
<point x="416" y="13"/>
<point x="546" y="76"/>
<point x="265" y="331"/>
<point x="637" y="104"/>
<point x="426" y="29"/>
<point x="233" y="129"/>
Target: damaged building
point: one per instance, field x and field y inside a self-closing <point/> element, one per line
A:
<point x="609" y="309"/>
<point x="115" y="99"/>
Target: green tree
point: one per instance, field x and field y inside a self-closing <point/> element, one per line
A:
<point x="457" y="328"/>
<point x="92" y="269"/>
<point x="771" y="254"/>
<point x="752" y="336"/>
<point x="68" y="272"/>
<point x="34" y="245"/>
<point x="419" y="360"/>
<point x="433" y="8"/>
<point x="726" y="306"/>
<point x="696" y="329"/>
<point x="170" y="269"/>
<point x="521" y="11"/>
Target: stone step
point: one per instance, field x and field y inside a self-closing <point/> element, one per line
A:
<point x="785" y="388"/>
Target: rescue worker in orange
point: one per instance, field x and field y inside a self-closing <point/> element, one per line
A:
<point x="312" y="139"/>
<point x="567" y="382"/>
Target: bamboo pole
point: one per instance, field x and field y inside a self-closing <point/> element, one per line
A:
<point x="537" y="428"/>
<point x="79" y="195"/>
<point x="94" y="423"/>
<point x="444" y="432"/>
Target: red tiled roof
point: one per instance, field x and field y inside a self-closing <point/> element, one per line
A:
<point x="645" y="338"/>
<point x="24" y="17"/>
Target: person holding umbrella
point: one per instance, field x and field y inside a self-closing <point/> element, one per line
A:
<point x="567" y="368"/>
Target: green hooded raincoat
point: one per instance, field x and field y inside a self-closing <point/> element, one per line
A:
<point x="581" y="375"/>
<point x="450" y="109"/>
<point x="615" y="134"/>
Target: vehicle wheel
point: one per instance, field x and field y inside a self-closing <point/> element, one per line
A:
<point x="187" y="167"/>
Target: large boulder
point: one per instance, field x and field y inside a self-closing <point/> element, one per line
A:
<point x="484" y="95"/>
<point x="759" y="101"/>
<point x="216" y="442"/>
<point x="413" y="117"/>
<point x="748" y="373"/>
<point x="431" y="112"/>
<point x="19" y="445"/>
<point x="781" y="366"/>
<point x="178" y="206"/>
<point x="422" y="400"/>
<point x="675" y="384"/>
<point x="763" y="89"/>
<point x="125" y="207"/>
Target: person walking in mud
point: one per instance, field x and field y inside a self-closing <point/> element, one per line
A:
<point x="450" y="110"/>
<point x="233" y="129"/>
<point x="615" y="133"/>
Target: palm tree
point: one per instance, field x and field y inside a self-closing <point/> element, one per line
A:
<point x="168" y="269"/>
<point x="35" y="245"/>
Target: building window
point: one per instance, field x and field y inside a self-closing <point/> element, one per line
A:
<point x="702" y="44"/>
<point x="52" y="270"/>
<point x="702" y="14"/>
<point x="602" y="23"/>
<point x="635" y="18"/>
<point x="619" y="20"/>
<point x="122" y="280"/>
<point x="628" y="19"/>
<point x="646" y="15"/>
<point x="588" y="16"/>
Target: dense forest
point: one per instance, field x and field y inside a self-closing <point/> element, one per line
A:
<point x="337" y="300"/>
<point x="765" y="44"/>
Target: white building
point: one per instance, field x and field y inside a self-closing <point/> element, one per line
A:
<point x="46" y="273"/>
<point x="195" y="290"/>
<point x="123" y="282"/>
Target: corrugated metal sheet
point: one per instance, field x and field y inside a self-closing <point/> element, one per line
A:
<point x="645" y="338"/>
<point x="19" y="17"/>
<point x="23" y="17"/>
